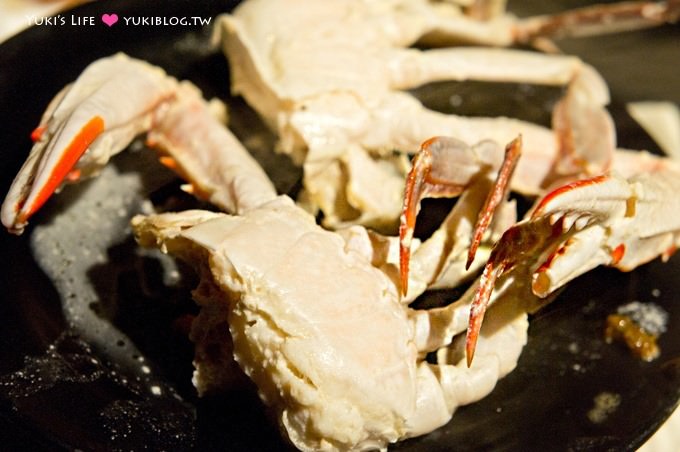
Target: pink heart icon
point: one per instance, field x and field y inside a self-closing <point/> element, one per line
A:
<point x="110" y="19"/>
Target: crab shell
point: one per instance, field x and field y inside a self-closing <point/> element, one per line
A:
<point x="313" y="342"/>
<point x="322" y="332"/>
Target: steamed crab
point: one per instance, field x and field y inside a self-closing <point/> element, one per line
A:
<point x="302" y="336"/>
<point x="330" y="78"/>
<point x="285" y="329"/>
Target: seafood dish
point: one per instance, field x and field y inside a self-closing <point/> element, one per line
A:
<point x="292" y="287"/>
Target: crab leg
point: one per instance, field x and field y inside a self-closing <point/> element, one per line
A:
<point x="598" y="20"/>
<point x="484" y="9"/>
<point x="114" y="100"/>
<point x="411" y="68"/>
<point x="217" y="167"/>
<point x="579" y="226"/>
<point x="506" y="30"/>
<point x="449" y="384"/>
<point x="584" y="130"/>
<point x="80" y="131"/>
<point x="428" y="180"/>
<point x="496" y="196"/>
<point x="400" y="122"/>
<point x="444" y="167"/>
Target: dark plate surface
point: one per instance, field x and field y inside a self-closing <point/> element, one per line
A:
<point x="92" y="357"/>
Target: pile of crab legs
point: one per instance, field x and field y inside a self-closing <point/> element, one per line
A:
<point x="330" y="80"/>
<point x="603" y="207"/>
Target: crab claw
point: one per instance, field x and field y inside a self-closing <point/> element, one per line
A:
<point x="444" y="167"/>
<point x="537" y="243"/>
<point x="43" y="172"/>
<point x="518" y="245"/>
<point x="603" y="220"/>
<point x="83" y="127"/>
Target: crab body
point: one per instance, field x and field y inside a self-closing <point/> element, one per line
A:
<point x="332" y="349"/>
<point x="309" y="339"/>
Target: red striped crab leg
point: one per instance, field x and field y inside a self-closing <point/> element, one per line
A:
<point x="114" y="100"/>
<point x="604" y="220"/>
<point x="77" y="135"/>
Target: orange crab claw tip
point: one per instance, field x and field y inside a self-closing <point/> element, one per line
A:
<point x="64" y="166"/>
<point x="479" y="306"/>
<point x="73" y="175"/>
<point x="471" y="255"/>
<point x="38" y="132"/>
<point x="470" y="345"/>
<point x="476" y="318"/>
<point x="168" y="162"/>
<point x="669" y="253"/>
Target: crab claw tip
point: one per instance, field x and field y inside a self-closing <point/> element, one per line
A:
<point x="39" y="179"/>
<point x="470" y="345"/>
<point x="479" y="306"/>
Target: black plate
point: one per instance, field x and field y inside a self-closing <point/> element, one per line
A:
<point x="91" y="355"/>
